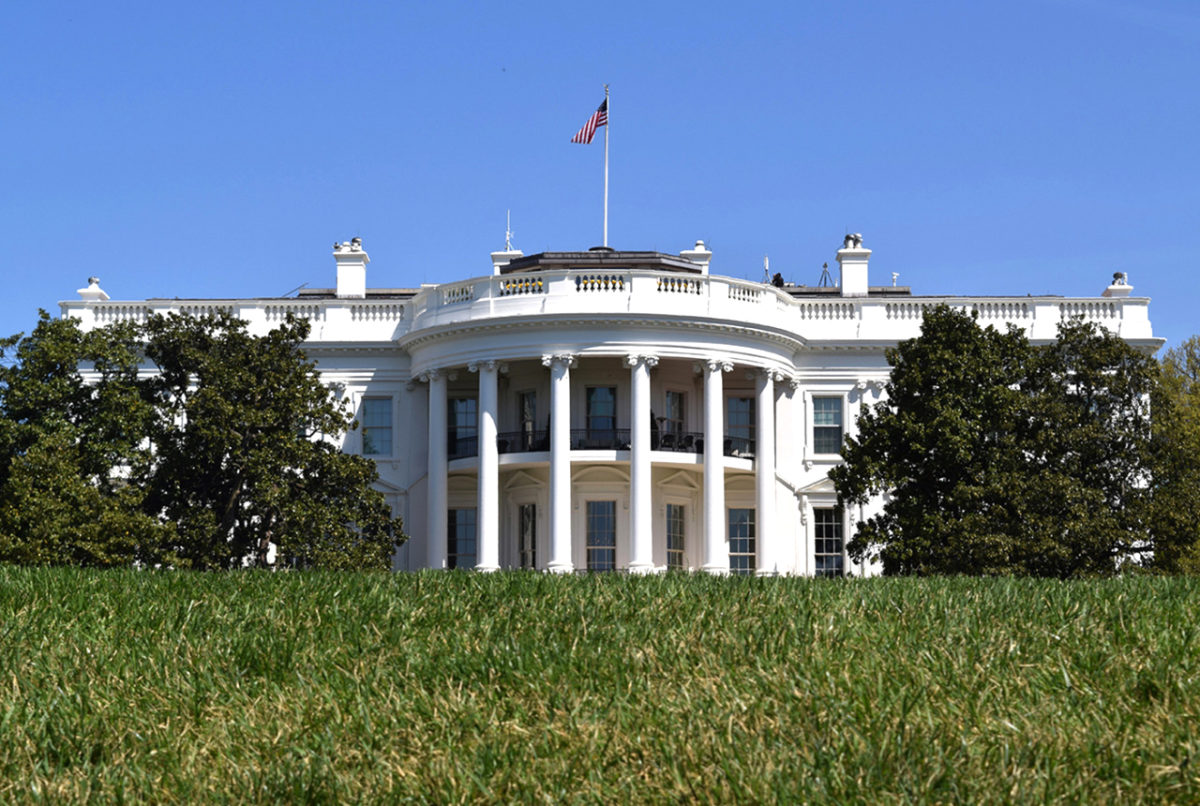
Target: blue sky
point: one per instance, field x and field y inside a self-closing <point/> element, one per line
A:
<point x="219" y="149"/>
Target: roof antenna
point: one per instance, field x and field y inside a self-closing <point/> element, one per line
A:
<point x="508" y="233"/>
<point x="294" y="290"/>
<point x="766" y="269"/>
<point x="826" y="279"/>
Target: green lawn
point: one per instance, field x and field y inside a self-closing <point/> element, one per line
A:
<point x="446" y="687"/>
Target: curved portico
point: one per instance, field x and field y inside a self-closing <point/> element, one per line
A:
<point x="566" y="390"/>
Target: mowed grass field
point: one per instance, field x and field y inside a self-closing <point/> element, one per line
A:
<point x="457" y="687"/>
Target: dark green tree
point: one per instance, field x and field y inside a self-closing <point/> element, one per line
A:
<point x="1175" y="523"/>
<point x="244" y="452"/>
<point x="995" y="456"/>
<point x="67" y="445"/>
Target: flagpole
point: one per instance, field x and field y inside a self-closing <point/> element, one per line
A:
<point x="606" y="128"/>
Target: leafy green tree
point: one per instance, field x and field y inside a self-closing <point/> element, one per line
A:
<point x="1175" y="523"/>
<point x="243" y="457"/>
<point x="995" y="456"/>
<point x="67" y="444"/>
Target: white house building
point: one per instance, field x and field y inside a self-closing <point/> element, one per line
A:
<point x="605" y="410"/>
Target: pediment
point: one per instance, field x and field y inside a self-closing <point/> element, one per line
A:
<point x="680" y="478"/>
<point x="823" y="485"/>
<point x="520" y="480"/>
<point x="601" y="473"/>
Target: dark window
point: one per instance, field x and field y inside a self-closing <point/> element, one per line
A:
<point x="601" y="535"/>
<point x="743" y="557"/>
<point x="601" y="412"/>
<point x="527" y="539"/>
<point x="377" y="426"/>
<point x="460" y="538"/>
<point x="739" y="425"/>
<point x="827" y="425"/>
<point x="675" y="536"/>
<point x="462" y="438"/>
<point x="827" y="531"/>
<point x="676" y="411"/>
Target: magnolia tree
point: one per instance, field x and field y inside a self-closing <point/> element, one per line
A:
<point x="224" y="448"/>
<point x="996" y="456"/>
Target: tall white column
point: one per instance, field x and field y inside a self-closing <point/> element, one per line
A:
<point x="436" y="515"/>
<point x="560" y="461"/>
<point x="764" y="466"/>
<point x="488" y="516"/>
<point x="641" y="534"/>
<point x="716" y="547"/>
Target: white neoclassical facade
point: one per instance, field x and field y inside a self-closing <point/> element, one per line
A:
<point x="609" y="410"/>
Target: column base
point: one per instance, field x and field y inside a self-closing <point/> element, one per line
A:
<point x="642" y="568"/>
<point x="719" y="570"/>
<point x="765" y="573"/>
<point x="560" y="568"/>
<point x="487" y="569"/>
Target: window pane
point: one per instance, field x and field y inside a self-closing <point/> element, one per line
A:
<point x="461" y="438"/>
<point x="460" y="538"/>
<point x="743" y="558"/>
<point x="601" y="535"/>
<point x="674" y="536"/>
<point x="827" y="425"/>
<point x="377" y="426"/>
<point x="673" y="424"/>
<point x="527" y="540"/>
<point x="827" y="537"/>
<point x="601" y="408"/>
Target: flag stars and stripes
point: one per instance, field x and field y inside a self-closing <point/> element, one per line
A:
<point x="599" y="118"/>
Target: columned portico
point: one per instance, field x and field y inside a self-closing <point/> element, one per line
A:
<point x="435" y="480"/>
<point x="560" y="461"/>
<point x="641" y="543"/>
<point x="716" y="549"/>
<point x="488" y="518"/>
<point x="764" y="462"/>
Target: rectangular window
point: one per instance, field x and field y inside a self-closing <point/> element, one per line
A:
<point x="676" y="411"/>
<point x="527" y="414"/>
<point x="377" y="426"/>
<point x="601" y="411"/>
<point x="827" y="425"/>
<point x="743" y="556"/>
<point x="674" y="537"/>
<point x="827" y="531"/>
<point x="462" y="438"/>
<point x="739" y="426"/>
<point x="601" y="535"/>
<point x="460" y="538"/>
<point x="527" y="538"/>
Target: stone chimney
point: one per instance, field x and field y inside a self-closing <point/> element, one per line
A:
<point x="852" y="258"/>
<point x="698" y="254"/>
<point x="93" y="292"/>
<point x="1120" y="286"/>
<point x="351" y="268"/>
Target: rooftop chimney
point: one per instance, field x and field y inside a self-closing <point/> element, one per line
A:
<point x="93" y="292"/>
<point x="351" y="268"/>
<point x="1120" y="286"/>
<point x="852" y="258"/>
<point x="698" y="254"/>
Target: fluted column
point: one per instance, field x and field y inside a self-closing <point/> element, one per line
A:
<point x="716" y="547"/>
<point x="435" y="480"/>
<point x="560" y="461"/>
<point x="641" y="534"/>
<point x="764" y="467"/>
<point x="488" y="517"/>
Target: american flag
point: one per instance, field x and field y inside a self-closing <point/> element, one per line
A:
<point x="599" y="118"/>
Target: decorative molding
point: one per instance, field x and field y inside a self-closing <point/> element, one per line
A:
<point x="548" y="360"/>
<point x="718" y="365"/>
<point x="475" y="366"/>
<point x="632" y="360"/>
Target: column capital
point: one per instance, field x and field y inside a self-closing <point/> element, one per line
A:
<point x="714" y="365"/>
<point x="475" y="366"/>
<point x="633" y="359"/>
<point x="794" y="382"/>
<point x="431" y="374"/>
<point x="549" y="359"/>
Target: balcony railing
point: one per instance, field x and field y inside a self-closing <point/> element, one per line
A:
<point x="678" y="442"/>
<point x="739" y="446"/>
<point x="460" y="447"/>
<point x="523" y="441"/>
<point x="600" y="439"/>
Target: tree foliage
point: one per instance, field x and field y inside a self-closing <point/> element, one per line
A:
<point x="997" y="456"/>
<point x="1176" y="427"/>
<point x="225" y="445"/>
